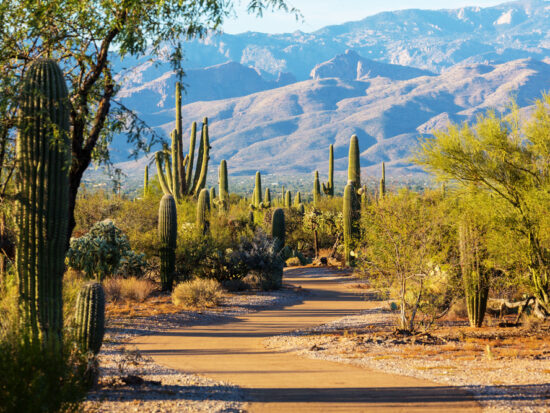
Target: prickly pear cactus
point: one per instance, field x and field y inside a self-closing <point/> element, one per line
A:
<point x="90" y="317"/>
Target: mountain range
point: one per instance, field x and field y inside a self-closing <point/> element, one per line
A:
<point x="276" y="102"/>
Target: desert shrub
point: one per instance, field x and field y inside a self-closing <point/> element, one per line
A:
<point x="100" y="251"/>
<point x="128" y="289"/>
<point x="94" y="206"/>
<point x="293" y="262"/>
<point x="197" y="293"/>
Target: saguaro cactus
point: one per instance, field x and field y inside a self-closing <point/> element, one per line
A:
<point x="354" y="164"/>
<point x="258" y="191"/>
<point x="383" y="182"/>
<point x="278" y="228"/>
<point x="90" y="317"/>
<point x="316" y="189"/>
<point x="288" y="199"/>
<point x="43" y="156"/>
<point x="298" y="199"/>
<point x="203" y="212"/>
<point x="328" y="189"/>
<point x="168" y="233"/>
<point x="212" y="197"/>
<point x="146" y="181"/>
<point x="267" y="199"/>
<point x="174" y="171"/>
<point x="475" y="276"/>
<point x="223" y="186"/>
<point x="351" y="222"/>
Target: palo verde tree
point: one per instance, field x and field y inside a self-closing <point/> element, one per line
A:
<point x="85" y="37"/>
<point x="509" y="158"/>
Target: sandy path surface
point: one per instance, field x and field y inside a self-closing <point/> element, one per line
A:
<point x="282" y="382"/>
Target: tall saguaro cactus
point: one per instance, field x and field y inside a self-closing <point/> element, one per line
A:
<point x="383" y="182"/>
<point x="175" y="172"/>
<point x="257" y="202"/>
<point x="298" y="199"/>
<point x="146" y="181"/>
<point x="168" y="233"/>
<point x="328" y="189"/>
<point x="288" y="199"/>
<point x="351" y="222"/>
<point x="316" y="189"/>
<point x="354" y="163"/>
<point x="475" y="275"/>
<point x="278" y="228"/>
<point x="43" y="159"/>
<point x="223" y="186"/>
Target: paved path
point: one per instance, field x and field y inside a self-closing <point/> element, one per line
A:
<point x="282" y="382"/>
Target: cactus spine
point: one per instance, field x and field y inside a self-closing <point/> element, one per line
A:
<point x="383" y="182"/>
<point x="316" y="189"/>
<point x="43" y="156"/>
<point x="354" y="165"/>
<point x="288" y="199"/>
<point x="475" y="276"/>
<point x="168" y="232"/>
<point x="278" y="228"/>
<point x="90" y="317"/>
<point x="328" y="189"/>
<point x="175" y="173"/>
<point x="351" y="222"/>
<point x="223" y="186"/>
<point x="203" y="212"/>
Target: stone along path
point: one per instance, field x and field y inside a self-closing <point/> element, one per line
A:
<point x="283" y="382"/>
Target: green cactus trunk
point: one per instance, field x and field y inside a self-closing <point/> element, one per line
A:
<point x="354" y="163"/>
<point x="146" y="181"/>
<point x="168" y="233"/>
<point x="288" y="199"/>
<point x="278" y="228"/>
<point x="257" y="202"/>
<point x="316" y="190"/>
<point x="223" y="186"/>
<point x="475" y="276"/>
<point x="191" y="157"/>
<point x="298" y="199"/>
<point x="328" y="189"/>
<point x="43" y="156"/>
<point x="267" y="199"/>
<point x="382" y="192"/>
<point x="202" y="161"/>
<point x="301" y="209"/>
<point x="203" y="213"/>
<point x="351" y="223"/>
<point x="90" y="317"/>
<point x="212" y="196"/>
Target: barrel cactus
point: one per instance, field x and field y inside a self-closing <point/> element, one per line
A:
<point x="278" y="228"/>
<point x="328" y="189"/>
<point x="168" y="233"/>
<point x="203" y="212"/>
<point x="43" y="157"/>
<point x="90" y="317"/>
<point x="354" y="165"/>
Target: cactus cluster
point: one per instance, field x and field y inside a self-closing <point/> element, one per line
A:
<point x="90" y="317"/>
<point x="43" y="156"/>
<point x="168" y="233"/>
<point x="174" y="171"/>
<point x="328" y="189"/>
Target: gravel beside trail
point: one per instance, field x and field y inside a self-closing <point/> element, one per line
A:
<point x="503" y="385"/>
<point x="164" y="389"/>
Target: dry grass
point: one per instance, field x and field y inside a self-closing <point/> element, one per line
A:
<point x="293" y="262"/>
<point x="128" y="289"/>
<point x="197" y="293"/>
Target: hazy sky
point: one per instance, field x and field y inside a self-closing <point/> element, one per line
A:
<point x="319" y="13"/>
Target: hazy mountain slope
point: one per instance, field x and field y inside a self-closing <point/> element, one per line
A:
<point x="289" y="129"/>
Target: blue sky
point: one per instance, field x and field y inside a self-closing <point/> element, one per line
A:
<point x="320" y="13"/>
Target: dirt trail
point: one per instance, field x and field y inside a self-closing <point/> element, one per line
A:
<point x="282" y="382"/>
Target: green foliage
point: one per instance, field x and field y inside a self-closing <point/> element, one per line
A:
<point x="90" y="317"/>
<point x="43" y="159"/>
<point x="510" y="159"/>
<point x="408" y="248"/>
<point x="99" y="253"/>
